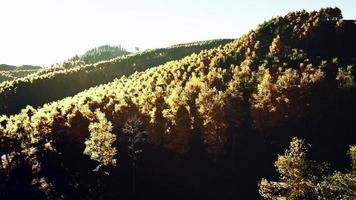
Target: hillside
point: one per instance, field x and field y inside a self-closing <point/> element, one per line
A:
<point x="10" y="72"/>
<point x="4" y="67"/>
<point x="73" y="76"/>
<point x="101" y="53"/>
<point x="210" y="124"/>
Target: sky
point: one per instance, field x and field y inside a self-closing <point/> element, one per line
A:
<point x="44" y="32"/>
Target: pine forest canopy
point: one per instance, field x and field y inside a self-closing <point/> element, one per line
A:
<point x="101" y="53"/>
<point x="10" y="72"/>
<point x="104" y="52"/>
<point x="162" y="124"/>
<point x="72" y="76"/>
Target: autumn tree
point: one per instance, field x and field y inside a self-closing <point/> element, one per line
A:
<point x="99" y="145"/>
<point x="345" y="78"/>
<point x="301" y="178"/>
<point x="297" y="180"/>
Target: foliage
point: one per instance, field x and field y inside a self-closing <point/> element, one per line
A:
<point x="75" y="75"/>
<point x="101" y="53"/>
<point x="345" y="78"/>
<point x="230" y="93"/>
<point x="134" y="129"/>
<point x="9" y="72"/>
<point x="301" y="178"/>
<point x="99" y="145"/>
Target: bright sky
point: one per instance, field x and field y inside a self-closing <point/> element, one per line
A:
<point x="43" y="32"/>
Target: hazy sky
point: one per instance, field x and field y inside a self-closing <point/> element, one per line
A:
<point x="43" y="32"/>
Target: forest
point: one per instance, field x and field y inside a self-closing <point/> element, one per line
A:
<point x="104" y="52"/>
<point x="10" y="72"/>
<point x="264" y="116"/>
<point x="75" y="75"/>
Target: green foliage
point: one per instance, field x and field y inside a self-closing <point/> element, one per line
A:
<point x="266" y="31"/>
<point x="297" y="55"/>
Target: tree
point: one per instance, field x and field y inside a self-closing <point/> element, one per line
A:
<point x="301" y="178"/>
<point x="340" y="185"/>
<point x="99" y="145"/>
<point x="296" y="181"/>
<point x="277" y="47"/>
<point x="345" y="78"/>
<point x="211" y="105"/>
<point x="136" y="134"/>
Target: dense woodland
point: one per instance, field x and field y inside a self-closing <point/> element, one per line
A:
<point x="75" y="75"/>
<point x="10" y="72"/>
<point x="206" y="126"/>
<point x="105" y="52"/>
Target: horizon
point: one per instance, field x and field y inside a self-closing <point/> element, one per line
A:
<point x="44" y="32"/>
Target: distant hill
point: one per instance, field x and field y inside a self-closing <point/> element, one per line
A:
<point x="104" y="52"/>
<point x="207" y="126"/>
<point x="74" y="75"/>
<point x="94" y="55"/>
<point x="10" y="72"/>
<point x="4" y="67"/>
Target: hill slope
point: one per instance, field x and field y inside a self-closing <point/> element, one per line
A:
<point x="211" y="123"/>
<point x="65" y="80"/>
<point x="10" y="72"/>
<point x="101" y="53"/>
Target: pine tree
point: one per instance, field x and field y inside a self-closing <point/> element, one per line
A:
<point x="99" y="145"/>
<point x="301" y="178"/>
<point x="136" y="134"/>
